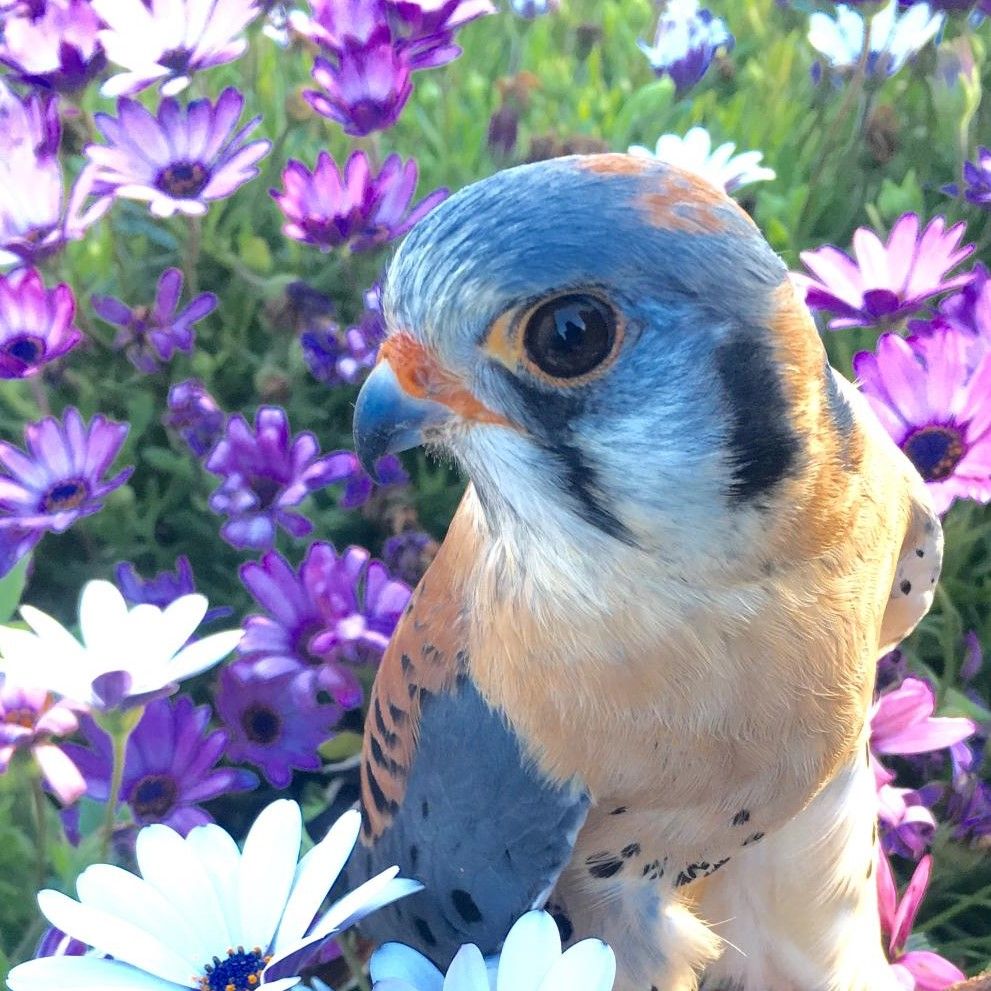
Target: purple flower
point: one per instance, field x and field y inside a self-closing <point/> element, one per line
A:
<point x="152" y="334"/>
<point x="194" y="413"/>
<point x="265" y="472"/>
<point x="967" y="311"/>
<point x="936" y="409"/>
<point x="407" y="555"/>
<point x="335" y="355"/>
<point x="685" y="43"/>
<point x="969" y="808"/>
<point x="55" y="943"/>
<point x="907" y="824"/>
<point x="902" y="722"/>
<point x="58" y="480"/>
<point x="169" y="766"/>
<point x="35" y="324"/>
<point x="886" y="282"/>
<point x="29" y="719"/>
<point x="180" y="159"/>
<point x="169" y="40"/>
<point x="332" y="614"/>
<point x="35" y="221"/>
<point x="268" y="725"/>
<point x="389" y="473"/>
<point x="976" y="180"/>
<point x="365" y="90"/>
<point x="58" y="48"/>
<point x="164" y="588"/>
<point x="918" y="969"/>
<point x="359" y="209"/>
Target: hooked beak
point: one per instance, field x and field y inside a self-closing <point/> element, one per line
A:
<point x="387" y="419"/>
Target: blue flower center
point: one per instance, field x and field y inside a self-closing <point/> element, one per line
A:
<point x="184" y="180"/>
<point x="154" y="796"/>
<point x="67" y="494"/>
<point x="240" y="971"/>
<point x="935" y="451"/>
<point x="261" y="724"/>
<point x="25" y="348"/>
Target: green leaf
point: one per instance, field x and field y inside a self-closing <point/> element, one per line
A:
<point x="340" y="747"/>
<point x="12" y="587"/>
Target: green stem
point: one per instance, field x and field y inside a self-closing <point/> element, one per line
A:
<point x="982" y="897"/>
<point x="41" y="831"/>
<point x="40" y="396"/>
<point x="351" y="958"/>
<point x="119" y="744"/>
<point x="191" y="255"/>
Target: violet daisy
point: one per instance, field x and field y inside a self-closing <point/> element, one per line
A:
<point x="266" y="471"/>
<point x="365" y="89"/>
<point x="359" y="209"/>
<point x="195" y="415"/>
<point x="169" y="765"/>
<point x="686" y="40"/>
<point x="968" y="312"/>
<point x="332" y="613"/>
<point x="57" y="49"/>
<point x="270" y="726"/>
<point x="169" y="40"/>
<point x="152" y="334"/>
<point x="29" y="720"/>
<point x="426" y="28"/>
<point x="936" y="409"/>
<point x="35" y="218"/>
<point x="55" y="943"/>
<point x="164" y="588"/>
<point x="921" y="969"/>
<point x="180" y="159"/>
<point x="885" y="282"/>
<point x="35" y="323"/>
<point x="58" y="480"/>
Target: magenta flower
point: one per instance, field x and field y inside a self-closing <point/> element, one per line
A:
<point x="921" y="970"/>
<point x="35" y="324"/>
<point x="364" y="211"/>
<point x="332" y="615"/>
<point x="907" y="824"/>
<point x="268" y="725"/>
<point x="365" y="90"/>
<point x="179" y="160"/>
<point x="902" y="722"/>
<point x="58" y="48"/>
<point x="169" y="40"/>
<point x="35" y="220"/>
<point x="266" y="471"/>
<point x="58" y="480"/>
<point x="884" y="282"/>
<point x="967" y="311"/>
<point x="29" y="719"/>
<point x="936" y="409"/>
<point x="152" y="334"/>
<point x="195" y="415"/>
<point x="169" y="766"/>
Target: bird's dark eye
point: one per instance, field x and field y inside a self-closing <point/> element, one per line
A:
<point x="569" y="336"/>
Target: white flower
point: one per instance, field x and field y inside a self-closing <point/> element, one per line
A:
<point x="125" y="654"/>
<point x="894" y="38"/>
<point x="204" y="915"/>
<point x="531" y="960"/>
<point x="721" y="167"/>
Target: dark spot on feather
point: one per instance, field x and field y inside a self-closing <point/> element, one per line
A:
<point x="631" y="850"/>
<point x="603" y="864"/>
<point x="425" y="809"/>
<point x="412" y="688"/>
<point x="414" y="856"/>
<point x="389" y="738"/>
<point x="426" y="933"/>
<point x="465" y="905"/>
<point x="398" y="715"/>
<point x="919" y="552"/>
<point x="743" y="816"/>
<point x="564" y="926"/>
<point x="619" y="811"/>
<point x="762" y="446"/>
<point x="406" y="661"/>
<point x="753" y="838"/>
<point x="384" y="805"/>
<point x="906" y="586"/>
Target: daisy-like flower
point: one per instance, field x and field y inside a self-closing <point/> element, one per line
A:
<point x="531" y="960"/>
<point x="364" y="211"/>
<point x="169" y="40"/>
<point x="968" y="312"/>
<point x="269" y="727"/>
<point x="126" y="657"/>
<point x="685" y="43"/>
<point x="30" y="719"/>
<point x="266" y="472"/>
<point x="204" y="915"/>
<point x="907" y="823"/>
<point x="902" y="721"/>
<point x="179" y="160"/>
<point x="922" y="970"/>
<point x="334" y="354"/>
<point x="195" y="415"/>
<point x="883" y="283"/>
<point x="35" y="324"/>
<point x="332" y="615"/>
<point x="58" y="49"/>
<point x="152" y="334"/>
<point x="389" y="473"/>
<point x="169" y="765"/>
<point x="720" y="166"/>
<point x="895" y="37"/>
<point x="936" y="409"/>
<point x="58" y="480"/>
<point x="35" y="219"/>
